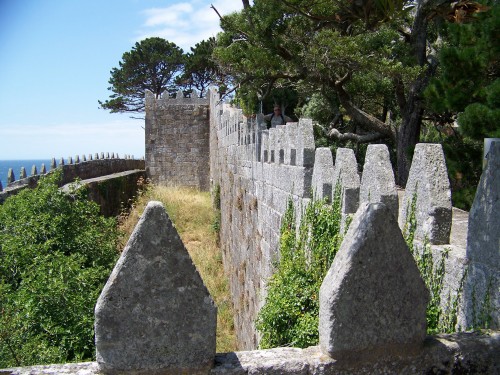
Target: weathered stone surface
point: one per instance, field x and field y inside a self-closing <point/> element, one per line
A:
<point x="377" y="181"/>
<point x="482" y="288"/>
<point x="177" y="141"/>
<point x="458" y="353"/>
<point x="322" y="179"/>
<point x="428" y="182"/>
<point x="346" y="175"/>
<point x="154" y="315"/>
<point x="372" y="300"/>
<point x="10" y="176"/>
<point x="305" y="143"/>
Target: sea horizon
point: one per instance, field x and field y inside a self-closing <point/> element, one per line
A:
<point x="17" y="164"/>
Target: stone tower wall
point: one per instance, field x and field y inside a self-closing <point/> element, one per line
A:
<point x="177" y="141"/>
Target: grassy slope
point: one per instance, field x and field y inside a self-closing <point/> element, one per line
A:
<point x="193" y="215"/>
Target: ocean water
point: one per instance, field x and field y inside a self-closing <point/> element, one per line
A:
<point x="16" y="167"/>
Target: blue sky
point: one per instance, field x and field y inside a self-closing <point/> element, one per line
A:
<point x="55" y="59"/>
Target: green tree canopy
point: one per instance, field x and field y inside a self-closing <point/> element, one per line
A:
<point x="468" y="86"/>
<point x="152" y="64"/>
<point x="200" y="70"/>
<point x="56" y="253"/>
<point x="368" y="60"/>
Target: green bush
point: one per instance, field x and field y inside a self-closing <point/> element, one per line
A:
<point x="290" y="314"/>
<point x="56" y="254"/>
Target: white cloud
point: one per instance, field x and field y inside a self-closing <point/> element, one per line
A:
<point x="170" y="15"/>
<point x="186" y="23"/>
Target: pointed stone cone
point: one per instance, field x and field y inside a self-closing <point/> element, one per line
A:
<point x="90" y="157"/>
<point x="377" y="182"/>
<point x="117" y="156"/>
<point x="43" y="170"/>
<point x="53" y="164"/>
<point x="10" y="176"/>
<point x="84" y="158"/>
<point x="373" y="300"/>
<point x="428" y="183"/>
<point x="102" y="155"/>
<point x="70" y="160"/>
<point x="112" y="155"/>
<point x="483" y="248"/>
<point x="107" y="155"/>
<point x="22" y="173"/>
<point x="77" y="159"/>
<point x="61" y="162"/>
<point x="155" y="315"/>
<point x="96" y="156"/>
<point x="34" y="171"/>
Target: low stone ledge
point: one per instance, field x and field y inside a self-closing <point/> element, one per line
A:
<point x="458" y="353"/>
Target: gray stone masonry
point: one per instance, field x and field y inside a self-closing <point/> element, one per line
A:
<point x="458" y="353"/>
<point x="322" y="180"/>
<point x="373" y="299"/>
<point x="83" y="171"/>
<point x="113" y="193"/>
<point x="346" y="175"/>
<point x="377" y="182"/>
<point x="155" y="315"/>
<point x="428" y="181"/>
<point x="482" y="288"/>
<point x="177" y="141"/>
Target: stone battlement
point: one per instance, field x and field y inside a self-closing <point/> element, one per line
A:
<point x="258" y="170"/>
<point x="155" y="316"/>
<point x="82" y="167"/>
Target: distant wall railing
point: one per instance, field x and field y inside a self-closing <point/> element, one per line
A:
<point x="83" y="168"/>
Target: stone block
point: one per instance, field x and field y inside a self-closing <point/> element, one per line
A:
<point x="372" y="300"/>
<point x="483" y="245"/>
<point x="323" y="174"/>
<point x="428" y="183"/>
<point x="305" y="143"/>
<point x="155" y="315"/>
<point x="346" y="176"/>
<point x="377" y="181"/>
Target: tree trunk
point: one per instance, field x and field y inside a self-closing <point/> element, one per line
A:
<point x="409" y="131"/>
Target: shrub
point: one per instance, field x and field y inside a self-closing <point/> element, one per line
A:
<point x="56" y="254"/>
<point x="290" y="314"/>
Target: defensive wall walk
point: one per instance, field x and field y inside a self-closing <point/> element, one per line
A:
<point x="155" y="315"/>
<point x="111" y="181"/>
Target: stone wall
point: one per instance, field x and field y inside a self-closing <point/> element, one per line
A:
<point x="259" y="170"/>
<point x="155" y="315"/>
<point x="83" y="168"/>
<point x="177" y="141"/>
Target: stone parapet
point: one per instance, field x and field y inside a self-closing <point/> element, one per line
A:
<point x="83" y="170"/>
<point x="458" y="353"/>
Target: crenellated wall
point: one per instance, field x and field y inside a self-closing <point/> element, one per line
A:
<point x="155" y="315"/>
<point x="111" y="181"/>
<point x="259" y="170"/>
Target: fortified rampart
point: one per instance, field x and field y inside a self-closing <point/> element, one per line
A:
<point x="258" y="170"/>
<point x="155" y="315"/>
<point x="111" y="180"/>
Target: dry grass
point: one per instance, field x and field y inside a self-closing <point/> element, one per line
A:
<point x="192" y="213"/>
